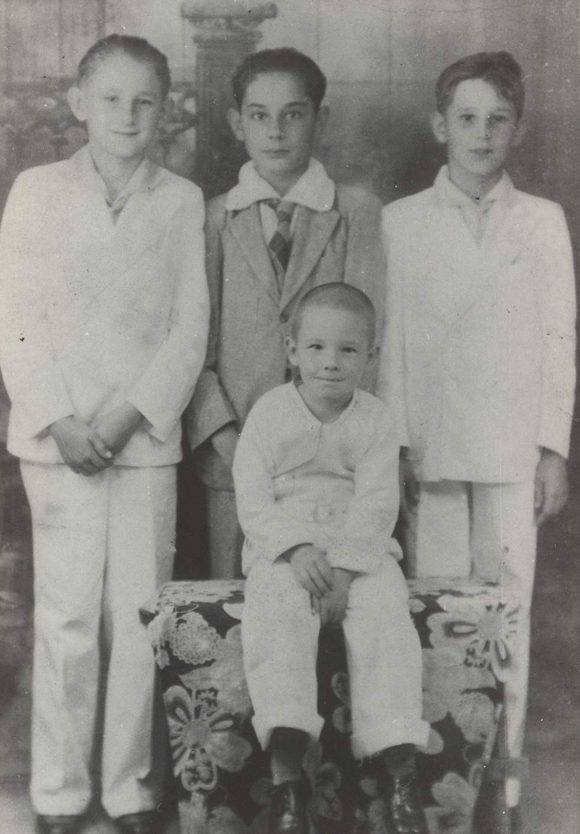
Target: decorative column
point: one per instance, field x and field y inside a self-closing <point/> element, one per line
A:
<point x="225" y="31"/>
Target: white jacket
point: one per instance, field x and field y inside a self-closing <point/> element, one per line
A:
<point x="479" y="353"/>
<point x="93" y="312"/>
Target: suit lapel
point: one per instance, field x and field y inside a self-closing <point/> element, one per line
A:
<point x="312" y="231"/>
<point x="453" y="265"/>
<point x="246" y="227"/>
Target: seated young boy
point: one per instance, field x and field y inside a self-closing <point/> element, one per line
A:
<point x="315" y="473"/>
<point x="284" y="228"/>
<point x="479" y="354"/>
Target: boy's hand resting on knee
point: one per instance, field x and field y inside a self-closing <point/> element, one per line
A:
<point x="116" y="427"/>
<point x="332" y="607"/>
<point x="551" y="486"/>
<point x="311" y="569"/>
<point x="79" y="450"/>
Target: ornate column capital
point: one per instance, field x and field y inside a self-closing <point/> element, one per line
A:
<point x="224" y="20"/>
<point x="225" y="32"/>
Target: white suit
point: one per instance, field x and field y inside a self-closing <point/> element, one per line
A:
<point x="333" y="485"/>
<point x="101" y="305"/>
<point x="478" y="363"/>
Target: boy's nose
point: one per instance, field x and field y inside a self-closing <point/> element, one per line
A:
<point x="331" y="360"/>
<point x="486" y="129"/>
<point x="129" y="112"/>
<point x="276" y="127"/>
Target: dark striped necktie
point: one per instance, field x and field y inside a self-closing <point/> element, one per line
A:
<point x="280" y="243"/>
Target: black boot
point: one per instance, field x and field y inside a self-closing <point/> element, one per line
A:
<point x="59" y="824"/>
<point x="141" y="822"/>
<point x="288" y="809"/>
<point x="399" y="790"/>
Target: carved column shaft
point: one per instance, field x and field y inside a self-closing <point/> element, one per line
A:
<point x="225" y="32"/>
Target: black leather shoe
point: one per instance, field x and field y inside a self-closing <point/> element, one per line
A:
<point x="516" y="821"/>
<point x="288" y="809"/>
<point x="404" y="809"/>
<point x="59" y="824"/>
<point x="142" y="822"/>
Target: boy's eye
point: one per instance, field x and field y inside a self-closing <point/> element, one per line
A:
<point x="112" y="98"/>
<point x="467" y="118"/>
<point x="293" y="115"/>
<point x="257" y="117"/>
<point x="349" y="350"/>
<point x="498" y="118"/>
<point x="315" y="346"/>
<point x="145" y="102"/>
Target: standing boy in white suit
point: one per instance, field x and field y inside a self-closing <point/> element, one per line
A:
<point x="103" y="334"/>
<point x="479" y="353"/>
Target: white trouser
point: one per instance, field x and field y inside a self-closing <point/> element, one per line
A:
<point x="488" y="531"/>
<point x="280" y="640"/>
<point x="102" y="546"/>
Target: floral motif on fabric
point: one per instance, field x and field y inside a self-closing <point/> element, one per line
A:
<point x="176" y="594"/>
<point x="192" y="640"/>
<point x="455" y="799"/>
<point x="202" y="738"/>
<point x="225" y="675"/>
<point x="484" y="633"/>
<point x="341" y="716"/>
<point x="450" y="687"/>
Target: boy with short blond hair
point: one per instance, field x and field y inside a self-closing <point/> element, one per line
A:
<point x="283" y="229"/>
<point x="479" y="356"/>
<point x="316" y="487"/>
<point x="103" y="334"/>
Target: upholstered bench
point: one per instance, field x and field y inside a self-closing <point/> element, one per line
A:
<point x="467" y="630"/>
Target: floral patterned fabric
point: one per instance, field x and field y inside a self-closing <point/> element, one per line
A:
<point x="467" y="631"/>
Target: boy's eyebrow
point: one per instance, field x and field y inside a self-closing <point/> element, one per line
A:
<point x="301" y="102"/>
<point x="505" y="107"/>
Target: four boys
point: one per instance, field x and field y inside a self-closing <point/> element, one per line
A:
<point x="477" y="371"/>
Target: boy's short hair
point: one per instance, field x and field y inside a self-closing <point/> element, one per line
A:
<point x="284" y="59"/>
<point x="500" y="69"/>
<point x="338" y="296"/>
<point x="137" y="48"/>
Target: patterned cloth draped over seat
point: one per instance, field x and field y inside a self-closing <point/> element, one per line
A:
<point x="467" y="631"/>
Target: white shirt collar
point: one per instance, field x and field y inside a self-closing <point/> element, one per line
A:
<point x="314" y="190"/>
<point x="447" y="192"/>
<point x="144" y="178"/>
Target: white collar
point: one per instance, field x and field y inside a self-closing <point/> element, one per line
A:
<point x="314" y="189"/>
<point x="447" y="192"/>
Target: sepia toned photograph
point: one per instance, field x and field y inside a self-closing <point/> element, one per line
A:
<point x="289" y="417"/>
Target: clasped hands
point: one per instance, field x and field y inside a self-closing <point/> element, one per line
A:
<point x="328" y="587"/>
<point x="90" y="448"/>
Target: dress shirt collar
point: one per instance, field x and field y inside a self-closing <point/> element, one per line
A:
<point x="144" y="178"/>
<point x="449" y="194"/>
<point x="314" y="190"/>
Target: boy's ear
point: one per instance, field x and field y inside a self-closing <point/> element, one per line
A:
<point x="439" y="127"/>
<point x="76" y="102"/>
<point x="519" y="133"/>
<point x="322" y="119"/>
<point x="235" y="122"/>
<point x="291" y="350"/>
<point x="373" y="353"/>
